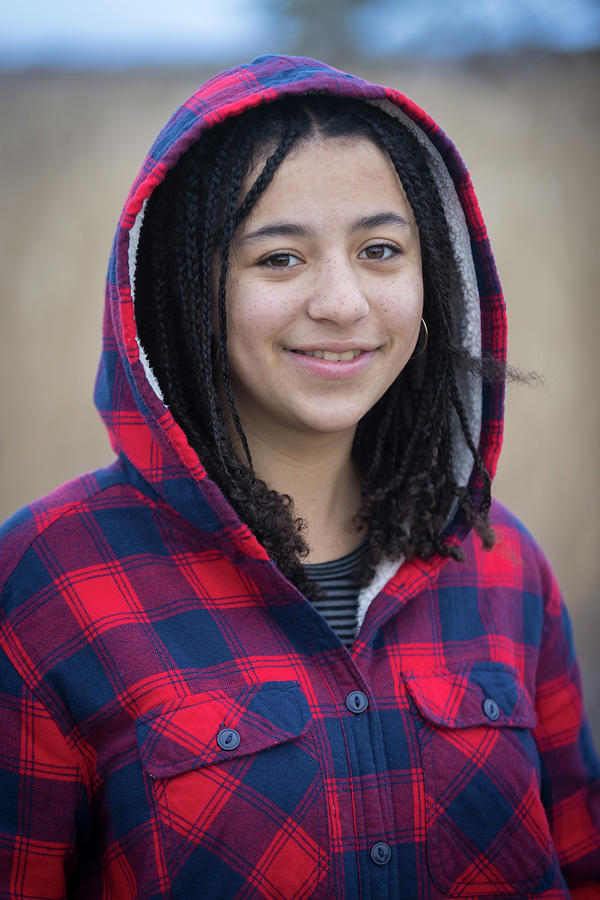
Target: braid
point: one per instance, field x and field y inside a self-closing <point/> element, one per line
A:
<point x="404" y="446"/>
<point x="230" y="216"/>
<point x="207" y="242"/>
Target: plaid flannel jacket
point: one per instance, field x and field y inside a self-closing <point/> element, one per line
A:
<point x="178" y="721"/>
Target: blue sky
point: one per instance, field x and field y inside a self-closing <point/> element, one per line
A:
<point x="184" y="30"/>
<point x="456" y="27"/>
<point x="81" y="32"/>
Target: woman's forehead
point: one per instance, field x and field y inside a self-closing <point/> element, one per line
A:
<point x="321" y="170"/>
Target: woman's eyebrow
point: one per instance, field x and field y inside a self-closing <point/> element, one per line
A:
<point x="277" y="229"/>
<point x="378" y="219"/>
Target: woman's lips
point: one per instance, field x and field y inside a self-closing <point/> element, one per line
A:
<point x="331" y="363"/>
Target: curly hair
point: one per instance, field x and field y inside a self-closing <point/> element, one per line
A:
<point x="404" y="446"/>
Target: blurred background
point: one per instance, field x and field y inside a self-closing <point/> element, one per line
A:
<point x="84" y="88"/>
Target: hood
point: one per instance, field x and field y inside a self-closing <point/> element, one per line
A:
<point x="141" y="428"/>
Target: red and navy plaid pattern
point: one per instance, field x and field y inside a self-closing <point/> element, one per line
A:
<point x="178" y="721"/>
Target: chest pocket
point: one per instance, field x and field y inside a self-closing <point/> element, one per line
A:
<point x="238" y="793"/>
<point x="487" y="831"/>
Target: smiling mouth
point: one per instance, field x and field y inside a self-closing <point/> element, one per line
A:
<point x="328" y="355"/>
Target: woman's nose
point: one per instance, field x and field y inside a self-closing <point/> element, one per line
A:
<point x="337" y="295"/>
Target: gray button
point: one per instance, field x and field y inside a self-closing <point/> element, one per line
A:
<point x="357" y="702"/>
<point x="381" y="853"/>
<point x="491" y="709"/>
<point x="228" y="739"/>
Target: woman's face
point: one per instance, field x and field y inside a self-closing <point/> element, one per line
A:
<point x="325" y="291"/>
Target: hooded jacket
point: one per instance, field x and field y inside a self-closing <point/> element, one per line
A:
<point x="179" y="721"/>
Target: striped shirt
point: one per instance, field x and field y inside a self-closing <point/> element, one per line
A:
<point x="339" y="603"/>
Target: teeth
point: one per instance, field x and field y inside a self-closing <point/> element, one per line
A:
<point x="333" y="357"/>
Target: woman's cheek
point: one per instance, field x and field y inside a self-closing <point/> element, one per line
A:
<point x="258" y="317"/>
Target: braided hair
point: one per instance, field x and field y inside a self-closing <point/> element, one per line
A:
<point x="404" y="446"/>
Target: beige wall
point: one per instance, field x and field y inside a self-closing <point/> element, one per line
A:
<point x="70" y="146"/>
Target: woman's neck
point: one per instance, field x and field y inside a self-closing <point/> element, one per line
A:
<point x="318" y="473"/>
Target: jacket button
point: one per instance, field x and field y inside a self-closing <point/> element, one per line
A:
<point x="381" y="853"/>
<point x="491" y="709"/>
<point x="357" y="702"/>
<point x="228" y="739"/>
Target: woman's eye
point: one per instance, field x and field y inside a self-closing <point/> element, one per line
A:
<point x="379" y="251"/>
<point x="280" y="261"/>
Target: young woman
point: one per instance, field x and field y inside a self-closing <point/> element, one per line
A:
<point x="286" y="646"/>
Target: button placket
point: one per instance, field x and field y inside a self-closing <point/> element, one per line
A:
<point x="357" y="702"/>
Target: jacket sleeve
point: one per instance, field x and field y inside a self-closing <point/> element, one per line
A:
<point x="42" y="790"/>
<point x="570" y="766"/>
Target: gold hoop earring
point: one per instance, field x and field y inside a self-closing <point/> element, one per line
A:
<point x="421" y="350"/>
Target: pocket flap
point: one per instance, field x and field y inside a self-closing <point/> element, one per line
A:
<point x="484" y="693"/>
<point x="182" y="735"/>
